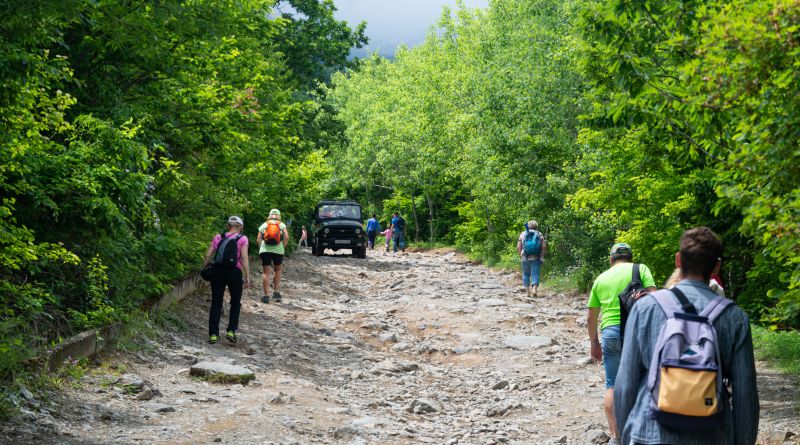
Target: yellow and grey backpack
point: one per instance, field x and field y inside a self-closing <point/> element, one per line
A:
<point x="685" y="379"/>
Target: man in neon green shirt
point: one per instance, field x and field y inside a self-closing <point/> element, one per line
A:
<point x="272" y="254"/>
<point x="604" y="300"/>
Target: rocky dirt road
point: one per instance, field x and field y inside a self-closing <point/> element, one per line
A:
<point x="421" y="348"/>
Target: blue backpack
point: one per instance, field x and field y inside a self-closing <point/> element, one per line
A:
<point x="533" y="243"/>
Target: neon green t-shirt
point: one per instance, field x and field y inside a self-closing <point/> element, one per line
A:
<point x="606" y="289"/>
<point x="268" y="247"/>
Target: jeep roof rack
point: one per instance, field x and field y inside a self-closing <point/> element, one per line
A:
<point x="332" y="202"/>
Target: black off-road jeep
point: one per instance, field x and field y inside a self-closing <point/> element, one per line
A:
<point x="339" y="225"/>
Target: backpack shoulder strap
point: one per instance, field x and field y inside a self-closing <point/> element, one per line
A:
<point x="636" y="275"/>
<point x="686" y="305"/>
<point x="667" y="303"/>
<point x="221" y="247"/>
<point x="714" y="309"/>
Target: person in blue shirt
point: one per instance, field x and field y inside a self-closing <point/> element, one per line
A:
<point x="398" y="232"/>
<point x="373" y="227"/>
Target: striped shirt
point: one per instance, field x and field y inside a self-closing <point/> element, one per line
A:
<point x="632" y="399"/>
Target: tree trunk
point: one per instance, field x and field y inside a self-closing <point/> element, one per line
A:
<point x="430" y="216"/>
<point x="416" y="220"/>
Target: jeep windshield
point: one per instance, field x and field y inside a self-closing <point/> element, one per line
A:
<point x="339" y="211"/>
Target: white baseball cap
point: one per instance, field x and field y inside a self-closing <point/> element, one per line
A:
<point x="235" y="220"/>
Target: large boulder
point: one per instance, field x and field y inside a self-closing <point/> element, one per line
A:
<point x="222" y="372"/>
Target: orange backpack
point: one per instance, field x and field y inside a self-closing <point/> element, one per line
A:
<point x="272" y="234"/>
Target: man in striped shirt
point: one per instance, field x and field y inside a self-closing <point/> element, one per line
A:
<point x="698" y="259"/>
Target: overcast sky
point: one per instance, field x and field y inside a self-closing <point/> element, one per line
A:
<point x="391" y="22"/>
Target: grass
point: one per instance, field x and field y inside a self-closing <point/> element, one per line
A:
<point x="780" y="349"/>
<point x="143" y="326"/>
<point x="560" y="283"/>
<point x="423" y="246"/>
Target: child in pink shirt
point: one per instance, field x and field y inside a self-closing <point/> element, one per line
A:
<point x="388" y="234"/>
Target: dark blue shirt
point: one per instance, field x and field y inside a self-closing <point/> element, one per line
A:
<point x="395" y="220"/>
<point x="373" y="224"/>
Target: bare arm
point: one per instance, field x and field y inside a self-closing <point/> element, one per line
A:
<point x="519" y="246"/>
<point x="591" y="324"/>
<point x="246" y="264"/>
<point x="207" y="258"/>
<point x="285" y="238"/>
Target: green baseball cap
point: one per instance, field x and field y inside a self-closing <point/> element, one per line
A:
<point x="274" y="212"/>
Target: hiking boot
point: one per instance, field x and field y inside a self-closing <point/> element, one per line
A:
<point x="213" y="339"/>
<point x="276" y="296"/>
<point x="265" y="299"/>
<point x="231" y="336"/>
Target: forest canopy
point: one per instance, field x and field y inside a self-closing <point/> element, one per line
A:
<point x="605" y="121"/>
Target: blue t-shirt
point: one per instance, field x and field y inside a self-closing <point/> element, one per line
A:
<point x="395" y="220"/>
<point x="373" y="224"/>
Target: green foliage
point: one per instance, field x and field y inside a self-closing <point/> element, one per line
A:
<point x="467" y="128"/>
<point x="130" y="130"/>
<point x="779" y="348"/>
<point x="604" y="120"/>
<point x="706" y="94"/>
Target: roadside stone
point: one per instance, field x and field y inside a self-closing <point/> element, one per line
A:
<point x="503" y="384"/>
<point x="375" y="326"/>
<point x="388" y="337"/>
<point x="400" y="347"/>
<point x="222" y="372"/>
<point x="502" y="409"/>
<point x="527" y="341"/>
<point x="28" y="396"/>
<point x="130" y="383"/>
<point x="419" y="406"/>
<point x="280" y="398"/>
<point x="146" y="394"/>
<point x="492" y="302"/>
<point x="159" y="407"/>
<point x="394" y="367"/>
<point x="597" y="437"/>
<point x="490" y="286"/>
<point x="458" y="350"/>
<point x="583" y="361"/>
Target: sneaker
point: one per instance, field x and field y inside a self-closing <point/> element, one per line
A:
<point x="265" y="299"/>
<point x="615" y="441"/>
<point x="231" y="336"/>
<point x="276" y="296"/>
<point x="213" y="339"/>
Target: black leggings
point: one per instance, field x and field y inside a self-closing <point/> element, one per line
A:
<point x="219" y="279"/>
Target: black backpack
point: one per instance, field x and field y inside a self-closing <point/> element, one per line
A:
<point x="628" y="297"/>
<point x="401" y="223"/>
<point x="227" y="254"/>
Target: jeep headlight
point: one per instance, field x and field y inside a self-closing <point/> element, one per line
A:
<point x="327" y="230"/>
<point x="358" y="231"/>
